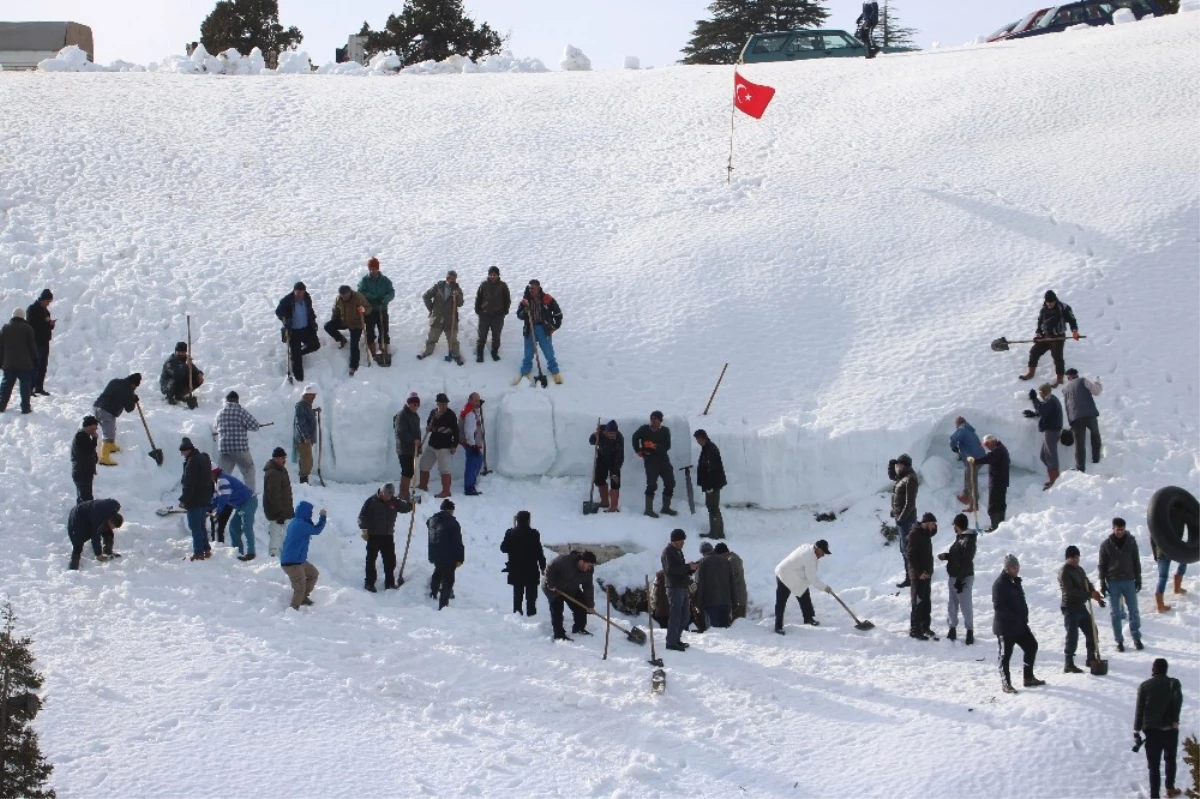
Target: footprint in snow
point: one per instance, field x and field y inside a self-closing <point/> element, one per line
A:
<point x="1108" y="298"/>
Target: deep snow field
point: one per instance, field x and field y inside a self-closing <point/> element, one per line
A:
<point x="886" y="220"/>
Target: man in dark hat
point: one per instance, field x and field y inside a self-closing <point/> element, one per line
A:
<point x="197" y="496"/>
<point x="610" y="457"/>
<point x="920" y="574"/>
<point x="93" y="521"/>
<point x="570" y="575"/>
<point x="1082" y="415"/>
<point x="796" y="574"/>
<point x="38" y="317"/>
<point x="234" y="425"/>
<point x="299" y="320"/>
<point x="1156" y="715"/>
<point x="904" y="505"/>
<point x="84" y="458"/>
<point x="173" y="382"/>
<point x="407" y="428"/>
<point x="350" y="311"/>
<point x="715" y="587"/>
<point x="442" y="427"/>
<point x="442" y="301"/>
<point x="1053" y="320"/>
<point x="446" y="552"/>
<point x="678" y="573"/>
<point x="710" y="476"/>
<point x="652" y="443"/>
<point x="1076" y="590"/>
<point x="277" y="499"/>
<point x="378" y="291"/>
<point x="377" y="524"/>
<point x="492" y="303"/>
<point x="1010" y="623"/>
<point x="119" y="396"/>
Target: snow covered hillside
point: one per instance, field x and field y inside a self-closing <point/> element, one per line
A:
<point x="886" y="220"/>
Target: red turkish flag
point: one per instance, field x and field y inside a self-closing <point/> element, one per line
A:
<point x="751" y="98"/>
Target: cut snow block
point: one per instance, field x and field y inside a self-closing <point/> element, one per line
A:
<point x="632" y="62"/>
<point x="524" y="435"/>
<point x="938" y="473"/>
<point x="358" y="439"/>
<point x="574" y="60"/>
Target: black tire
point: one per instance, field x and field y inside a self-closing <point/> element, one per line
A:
<point x="1067" y="437"/>
<point x="1173" y="516"/>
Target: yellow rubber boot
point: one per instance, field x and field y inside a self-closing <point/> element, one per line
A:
<point x="115" y="446"/>
<point x="107" y="448"/>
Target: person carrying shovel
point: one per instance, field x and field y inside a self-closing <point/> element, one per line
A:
<point x="796" y="574"/>
<point x="570" y="575"/>
<point x="1053" y="319"/>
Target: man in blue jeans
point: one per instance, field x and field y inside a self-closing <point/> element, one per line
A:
<point x="234" y="494"/>
<point x="904" y="505"/>
<point x="539" y="313"/>
<point x="197" y="496"/>
<point x="1164" y="571"/>
<point x="1121" y="579"/>
<point x="678" y="574"/>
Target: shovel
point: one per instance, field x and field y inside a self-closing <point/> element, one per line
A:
<point x="1099" y="667"/>
<point x="858" y="625"/>
<point x="590" y="506"/>
<point x="691" y="492"/>
<point x="190" y="400"/>
<point x="154" y="452"/>
<point x="1001" y="344"/>
<point x="541" y="378"/>
<point x="654" y="660"/>
<point x="635" y="635"/>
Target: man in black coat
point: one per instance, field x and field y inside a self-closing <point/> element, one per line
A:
<point x="1076" y="590"/>
<point x="526" y="562"/>
<point x="960" y="568"/>
<point x="18" y="357"/>
<point x="1011" y="624"/>
<point x="678" y="573"/>
<point x="1049" y="413"/>
<point x="173" y="382"/>
<point x="715" y="589"/>
<point x="299" y="320"/>
<point x="1156" y="714"/>
<point x="197" y="496"/>
<point x="998" y="463"/>
<point x="84" y="458"/>
<point x="1051" y="334"/>
<point x="652" y="443"/>
<point x="710" y="476"/>
<point x="93" y="521"/>
<point x="866" y="22"/>
<point x="904" y="504"/>
<point x="119" y="396"/>
<point x="407" y="427"/>
<point x="442" y="429"/>
<point x="492" y="303"/>
<point x="377" y="524"/>
<point x="570" y="574"/>
<point x="920" y="574"/>
<point x="610" y="457"/>
<point x="446" y="552"/>
<point x="38" y="316"/>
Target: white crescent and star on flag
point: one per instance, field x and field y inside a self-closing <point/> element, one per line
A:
<point x="743" y="94"/>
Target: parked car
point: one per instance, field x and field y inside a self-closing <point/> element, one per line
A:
<point x="1021" y="25"/>
<point x="801" y="45"/>
<point x="1093" y="13"/>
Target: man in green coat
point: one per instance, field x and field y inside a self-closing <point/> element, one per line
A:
<point x="378" y="291"/>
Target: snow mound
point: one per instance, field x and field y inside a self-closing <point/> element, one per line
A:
<point x="69" y="59"/>
<point x="294" y="62"/>
<point x="1123" y="16"/>
<point x="574" y="60"/>
<point x="632" y="62"/>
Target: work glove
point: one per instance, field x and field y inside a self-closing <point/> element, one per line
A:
<point x="1137" y="587"/>
<point x="363" y="532"/>
<point x="1104" y="589"/>
<point x="1033" y="395"/>
<point x="1101" y="603"/>
<point x="1030" y="414"/>
<point x="943" y="556"/>
<point x="958" y="586"/>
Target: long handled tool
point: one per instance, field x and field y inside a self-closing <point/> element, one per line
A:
<point x="691" y="492"/>
<point x="154" y="452"/>
<point x="655" y="660"/>
<point x="320" y="446"/>
<point x="714" y="391"/>
<point x="412" y="520"/>
<point x="1001" y="344"/>
<point x="590" y="505"/>
<point x="385" y="355"/>
<point x="287" y="343"/>
<point x="541" y="378"/>
<point x="608" y="621"/>
<point x="452" y="333"/>
<point x="974" y="490"/>
<point x="362" y="338"/>
<point x="858" y="625"/>
<point x="1098" y="667"/>
<point x="191" y="401"/>
<point x="635" y="635"/>
<point x="483" y="433"/>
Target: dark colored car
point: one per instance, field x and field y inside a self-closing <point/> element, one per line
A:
<point x="1093" y="13"/>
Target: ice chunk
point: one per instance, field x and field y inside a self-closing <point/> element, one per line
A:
<point x="574" y="60"/>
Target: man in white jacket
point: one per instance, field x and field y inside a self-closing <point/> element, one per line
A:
<point x="795" y="574"/>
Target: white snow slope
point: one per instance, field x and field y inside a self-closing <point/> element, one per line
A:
<point x="885" y="222"/>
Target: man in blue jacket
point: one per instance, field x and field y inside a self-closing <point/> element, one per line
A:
<point x="93" y="521"/>
<point x="446" y="552"/>
<point x="233" y="493"/>
<point x="299" y="320"/>
<point x="293" y="558"/>
<point x="1011" y="624"/>
<point x="965" y="442"/>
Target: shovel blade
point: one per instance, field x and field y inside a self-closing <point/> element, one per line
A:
<point x="590" y="507"/>
<point x="1000" y="345"/>
<point x="1099" y="667"/>
<point x="157" y="454"/>
<point x="864" y="625"/>
<point x="192" y="402"/>
<point x="637" y="635"/>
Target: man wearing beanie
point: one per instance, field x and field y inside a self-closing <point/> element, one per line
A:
<point x="84" y="459"/>
<point x="350" y="310"/>
<point x="295" y="312"/>
<point x="714" y="587"/>
<point x="18" y="359"/>
<point x="377" y="524"/>
<point x="38" y="317"/>
<point x="652" y="443"/>
<point x="442" y="428"/>
<point x="1082" y="416"/>
<point x="1010" y="623"/>
<point x="1049" y="413"/>
<point x="570" y="575"/>
<point x="407" y="428"/>
<point x="1076" y="591"/>
<point x="1053" y="320"/>
<point x="1156" y="715"/>
<point x="442" y="301"/>
<point x="197" y="496"/>
<point x="960" y="568"/>
<point x="606" y="471"/>
<point x="119" y="396"/>
<point x="904" y="504"/>
<point x="492" y="303"/>
<point x="174" y="381"/>
<point x="94" y="521"/>
<point x="678" y="574"/>
<point x="920" y="574"/>
<point x="277" y="499"/>
<point x="304" y="430"/>
<point x="710" y="476"/>
<point x="233" y="425"/>
<point x="377" y="289"/>
<point x="446" y="552"/>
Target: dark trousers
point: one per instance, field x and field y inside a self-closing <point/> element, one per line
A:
<point x="442" y="583"/>
<point x="1075" y="620"/>
<point x="384" y="545"/>
<point x="918" y="616"/>
<point x="489" y="323"/>
<point x="302" y="342"/>
<point x="334" y="327"/>
<point x="1005" y="644"/>
<point x="39" y="368"/>
<point x="904" y="528"/>
<point x="529" y="591"/>
<point x="376" y="324"/>
<point x="1078" y="427"/>
<point x="557" y="605"/>
<point x="657" y="467"/>
<point x="408" y="462"/>
<point x="681" y="611"/>
<point x="997" y="504"/>
<point x="1160" y="745"/>
<point x="718" y="615"/>
<point x="83" y="487"/>
<point x="782" y="592"/>
<point x="23" y="377"/>
<point x="1055" y="348"/>
<point x="78" y="542"/>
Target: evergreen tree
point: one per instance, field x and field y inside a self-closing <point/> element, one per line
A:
<point x="432" y="29"/>
<point x="246" y="24"/>
<point x="23" y="772"/>
<point x="891" y="32"/>
<point x="1169" y="6"/>
<point x="720" y="40"/>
